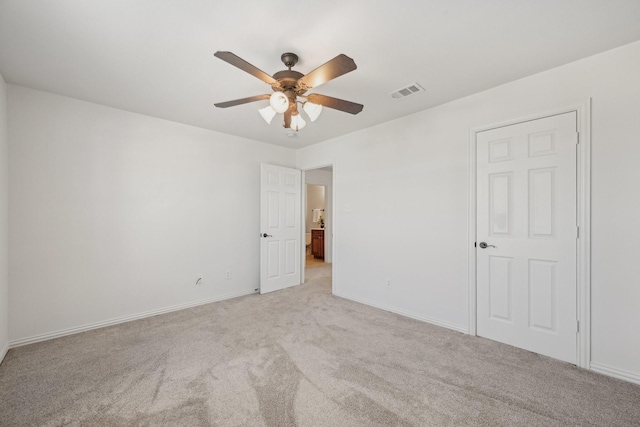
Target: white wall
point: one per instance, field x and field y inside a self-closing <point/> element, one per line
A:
<point x="116" y="214"/>
<point x="4" y="226"/>
<point x="417" y="168"/>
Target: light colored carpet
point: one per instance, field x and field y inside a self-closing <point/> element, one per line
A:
<point x="298" y="357"/>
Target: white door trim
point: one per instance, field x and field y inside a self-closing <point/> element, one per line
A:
<point x="583" y="273"/>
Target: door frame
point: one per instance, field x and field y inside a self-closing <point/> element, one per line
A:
<point x="332" y="228"/>
<point x="583" y="209"/>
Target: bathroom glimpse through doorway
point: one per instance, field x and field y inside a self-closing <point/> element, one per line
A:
<point x="317" y="208"/>
<point x="315" y="222"/>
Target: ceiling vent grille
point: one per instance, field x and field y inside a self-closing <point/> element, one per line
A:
<point x="412" y="89"/>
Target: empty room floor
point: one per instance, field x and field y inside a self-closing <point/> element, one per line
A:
<point x="298" y="357"/>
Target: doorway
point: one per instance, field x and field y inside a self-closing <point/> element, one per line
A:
<point x="317" y="208"/>
<point x="315" y="222"/>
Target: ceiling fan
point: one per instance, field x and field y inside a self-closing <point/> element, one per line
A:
<point x="288" y="85"/>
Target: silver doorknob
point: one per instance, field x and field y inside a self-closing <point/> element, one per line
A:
<point x="266" y="235"/>
<point x="484" y="245"/>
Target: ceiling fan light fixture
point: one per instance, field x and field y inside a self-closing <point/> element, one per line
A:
<point x="297" y="122"/>
<point x="267" y="113"/>
<point x="312" y="110"/>
<point x="288" y="85"/>
<point x="279" y="102"/>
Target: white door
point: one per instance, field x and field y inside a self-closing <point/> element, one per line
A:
<point x="526" y="204"/>
<point x="280" y="232"/>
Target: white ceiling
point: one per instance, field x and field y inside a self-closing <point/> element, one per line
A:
<point x="155" y="57"/>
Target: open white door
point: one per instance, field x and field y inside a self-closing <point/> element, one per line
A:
<point x="280" y="232"/>
<point x="526" y="235"/>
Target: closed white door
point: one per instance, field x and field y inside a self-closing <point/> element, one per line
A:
<point x="526" y="218"/>
<point x="280" y="232"/>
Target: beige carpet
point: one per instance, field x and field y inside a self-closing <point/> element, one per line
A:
<point x="298" y="357"/>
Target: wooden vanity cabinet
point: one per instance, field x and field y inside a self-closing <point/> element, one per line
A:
<point x="317" y="243"/>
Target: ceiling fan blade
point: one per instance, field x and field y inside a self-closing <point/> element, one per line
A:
<point x="242" y="101"/>
<point x="336" y="67"/>
<point x="335" y="103"/>
<point x="287" y="119"/>
<point x="236" y="61"/>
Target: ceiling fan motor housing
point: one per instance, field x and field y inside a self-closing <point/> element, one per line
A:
<point x="288" y="80"/>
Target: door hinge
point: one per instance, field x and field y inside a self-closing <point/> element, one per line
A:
<point x="577" y="326"/>
<point x="577" y="232"/>
<point x="475" y="244"/>
<point x="577" y="138"/>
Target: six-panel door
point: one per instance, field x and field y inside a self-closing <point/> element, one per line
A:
<point x="526" y="204"/>
<point x="280" y="201"/>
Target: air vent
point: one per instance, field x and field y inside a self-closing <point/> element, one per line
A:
<point x="412" y="89"/>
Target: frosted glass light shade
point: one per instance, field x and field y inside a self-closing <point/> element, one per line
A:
<point x="312" y="110"/>
<point x="279" y="102"/>
<point x="297" y="122"/>
<point x="267" y="113"/>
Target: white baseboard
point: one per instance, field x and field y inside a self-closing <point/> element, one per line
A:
<point x="596" y="367"/>
<point x="615" y="372"/>
<point x="3" y="352"/>
<point x="436" y="322"/>
<point x="110" y="322"/>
